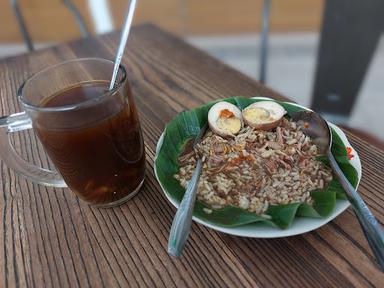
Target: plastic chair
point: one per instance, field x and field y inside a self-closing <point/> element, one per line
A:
<point x="264" y="40"/>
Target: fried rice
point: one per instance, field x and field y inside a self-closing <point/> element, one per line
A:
<point x="256" y="168"/>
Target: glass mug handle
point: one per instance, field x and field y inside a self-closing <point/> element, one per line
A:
<point x="15" y="123"/>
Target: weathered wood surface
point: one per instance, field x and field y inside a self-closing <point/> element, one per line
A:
<point x="49" y="238"/>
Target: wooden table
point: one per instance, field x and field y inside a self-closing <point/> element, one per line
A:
<point x="49" y="238"/>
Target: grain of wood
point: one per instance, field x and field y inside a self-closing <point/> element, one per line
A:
<point x="50" y="238"/>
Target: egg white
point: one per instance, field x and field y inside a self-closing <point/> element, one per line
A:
<point x="218" y="126"/>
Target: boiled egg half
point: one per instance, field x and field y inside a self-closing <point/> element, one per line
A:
<point x="263" y="115"/>
<point x="225" y="119"/>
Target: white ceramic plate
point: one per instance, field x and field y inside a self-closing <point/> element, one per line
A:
<point x="299" y="225"/>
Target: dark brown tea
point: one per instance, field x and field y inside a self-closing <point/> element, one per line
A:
<point x="97" y="148"/>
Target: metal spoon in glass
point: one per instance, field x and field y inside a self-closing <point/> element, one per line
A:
<point x="123" y="41"/>
<point x="318" y="129"/>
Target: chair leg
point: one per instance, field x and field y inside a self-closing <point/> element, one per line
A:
<point x="79" y="19"/>
<point x="264" y="41"/>
<point x="350" y="33"/>
<point x="22" y="26"/>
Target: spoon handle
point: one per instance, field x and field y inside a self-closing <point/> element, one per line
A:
<point x="123" y="41"/>
<point x="181" y="224"/>
<point x="373" y="231"/>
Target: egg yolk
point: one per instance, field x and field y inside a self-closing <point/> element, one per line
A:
<point x="225" y="113"/>
<point x="256" y="114"/>
<point x="228" y="122"/>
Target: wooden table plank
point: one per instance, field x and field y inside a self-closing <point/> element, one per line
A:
<point x="49" y="238"/>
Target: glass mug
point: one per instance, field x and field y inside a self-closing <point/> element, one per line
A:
<point x="92" y="135"/>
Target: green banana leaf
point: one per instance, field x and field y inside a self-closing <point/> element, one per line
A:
<point x="186" y="126"/>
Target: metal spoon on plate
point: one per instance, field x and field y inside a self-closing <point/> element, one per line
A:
<point x="181" y="224"/>
<point x="318" y="129"/>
